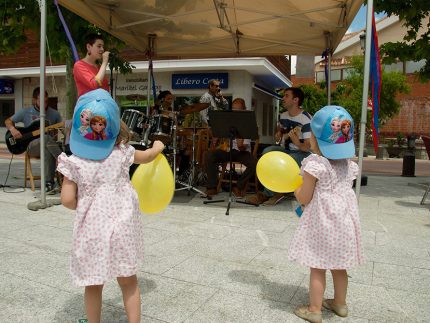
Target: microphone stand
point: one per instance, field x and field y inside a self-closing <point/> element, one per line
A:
<point x="232" y="136"/>
<point x="111" y="59"/>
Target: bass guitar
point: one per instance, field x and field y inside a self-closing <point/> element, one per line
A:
<point x="19" y="146"/>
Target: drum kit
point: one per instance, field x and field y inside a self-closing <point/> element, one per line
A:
<point x="164" y="127"/>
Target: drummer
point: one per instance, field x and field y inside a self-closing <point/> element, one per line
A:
<point x="164" y="103"/>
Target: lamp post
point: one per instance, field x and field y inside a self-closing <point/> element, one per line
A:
<point x="408" y="169"/>
<point x="363" y="41"/>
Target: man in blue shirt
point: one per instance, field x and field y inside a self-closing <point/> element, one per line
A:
<point x="52" y="150"/>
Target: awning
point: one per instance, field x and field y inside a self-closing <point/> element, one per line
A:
<point x="222" y="28"/>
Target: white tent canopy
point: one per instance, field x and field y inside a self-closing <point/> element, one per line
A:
<point x="221" y="28"/>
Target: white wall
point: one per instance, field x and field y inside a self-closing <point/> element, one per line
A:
<point x="239" y="84"/>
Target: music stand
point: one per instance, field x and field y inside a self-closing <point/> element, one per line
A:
<point x="232" y="124"/>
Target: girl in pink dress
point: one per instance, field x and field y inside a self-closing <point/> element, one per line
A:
<point x="107" y="233"/>
<point x="328" y="236"/>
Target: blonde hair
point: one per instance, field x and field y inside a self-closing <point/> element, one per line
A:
<point x="316" y="148"/>
<point x="124" y="135"/>
<point x="240" y="101"/>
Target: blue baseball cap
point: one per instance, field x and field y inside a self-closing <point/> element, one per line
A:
<point x="333" y="127"/>
<point x="95" y="125"/>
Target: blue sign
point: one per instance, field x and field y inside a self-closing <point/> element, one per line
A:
<point x="6" y="86"/>
<point x="198" y="80"/>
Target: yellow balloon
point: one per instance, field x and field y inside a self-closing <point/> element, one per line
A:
<point x="154" y="184"/>
<point x="279" y="172"/>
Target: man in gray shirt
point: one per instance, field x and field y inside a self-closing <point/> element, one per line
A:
<point x="52" y="150"/>
<point x="215" y="98"/>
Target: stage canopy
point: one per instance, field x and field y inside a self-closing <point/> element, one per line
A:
<point x="222" y="28"/>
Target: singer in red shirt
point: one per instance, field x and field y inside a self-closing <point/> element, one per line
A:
<point x="88" y="74"/>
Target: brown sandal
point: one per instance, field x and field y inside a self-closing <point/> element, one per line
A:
<point x="303" y="312"/>
<point x="339" y="310"/>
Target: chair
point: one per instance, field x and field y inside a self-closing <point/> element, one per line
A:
<point x="224" y="178"/>
<point x="28" y="172"/>
<point x="426" y="141"/>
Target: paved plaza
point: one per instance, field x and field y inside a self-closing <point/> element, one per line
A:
<point x="204" y="266"/>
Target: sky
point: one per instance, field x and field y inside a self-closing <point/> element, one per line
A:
<point x="358" y="23"/>
<point x="360" y="20"/>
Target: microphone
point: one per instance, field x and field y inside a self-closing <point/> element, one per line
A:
<point x="111" y="56"/>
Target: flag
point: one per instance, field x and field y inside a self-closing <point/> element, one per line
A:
<point x="375" y="82"/>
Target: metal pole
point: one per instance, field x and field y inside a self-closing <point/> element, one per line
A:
<point x="329" y="56"/>
<point x="365" y="95"/>
<point x="42" y="99"/>
<point x="329" y="79"/>
<point x="151" y="38"/>
<point x="148" y="95"/>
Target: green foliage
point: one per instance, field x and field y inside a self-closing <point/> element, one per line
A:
<point x="15" y="18"/>
<point x="24" y="15"/>
<point x="348" y="93"/>
<point x="416" y="43"/>
<point x="315" y="98"/>
<point x="20" y="16"/>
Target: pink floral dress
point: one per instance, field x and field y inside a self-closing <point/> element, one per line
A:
<point x="107" y="232"/>
<point x="328" y="235"/>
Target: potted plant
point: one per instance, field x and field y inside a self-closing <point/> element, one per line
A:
<point x="395" y="147"/>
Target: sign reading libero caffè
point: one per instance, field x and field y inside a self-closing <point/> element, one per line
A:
<point x="138" y="83"/>
<point x="198" y="80"/>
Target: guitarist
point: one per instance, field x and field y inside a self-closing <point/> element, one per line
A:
<point x="294" y="133"/>
<point x="32" y="114"/>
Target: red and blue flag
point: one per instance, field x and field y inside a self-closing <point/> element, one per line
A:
<point x="375" y="83"/>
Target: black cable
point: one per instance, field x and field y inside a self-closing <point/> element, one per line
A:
<point x="7" y="176"/>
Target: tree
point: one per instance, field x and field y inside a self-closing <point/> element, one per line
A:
<point x="415" y="46"/>
<point x="18" y="17"/>
<point x="315" y="98"/>
<point x="348" y="93"/>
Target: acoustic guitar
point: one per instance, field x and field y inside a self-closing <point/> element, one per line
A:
<point x="19" y="146"/>
<point x="285" y="136"/>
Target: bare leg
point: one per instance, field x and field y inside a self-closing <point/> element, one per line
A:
<point x="131" y="297"/>
<point x="93" y="302"/>
<point x="340" y="282"/>
<point x="316" y="289"/>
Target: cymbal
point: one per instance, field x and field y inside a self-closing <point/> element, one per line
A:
<point x="196" y="107"/>
<point x="135" y="97"/>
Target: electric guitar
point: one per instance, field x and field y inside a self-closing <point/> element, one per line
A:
<point x="19" y="146"/>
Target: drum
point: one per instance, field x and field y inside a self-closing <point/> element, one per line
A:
<point x="161" y="128"/>
<point x="135" y="120"/>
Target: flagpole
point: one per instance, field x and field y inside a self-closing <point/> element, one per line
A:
<point x="329" y="57"/>
<point x="365" y="95"/>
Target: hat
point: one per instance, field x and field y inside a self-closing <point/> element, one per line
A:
<point x="95" y="125"/>
<point x="333" y="128"/>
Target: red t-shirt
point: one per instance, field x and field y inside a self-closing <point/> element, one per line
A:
<point x="84" y="75"/>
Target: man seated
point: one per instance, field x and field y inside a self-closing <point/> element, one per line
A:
<point x="241" y="152"/>
<point x="52" y="150"/>
<point x="293" y="134"/>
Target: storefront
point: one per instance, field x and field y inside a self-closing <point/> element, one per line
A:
<point x="252" y="79"/>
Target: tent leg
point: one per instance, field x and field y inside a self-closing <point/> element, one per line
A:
<point x="42" y="98"/>
<point x="365" y="94"/>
